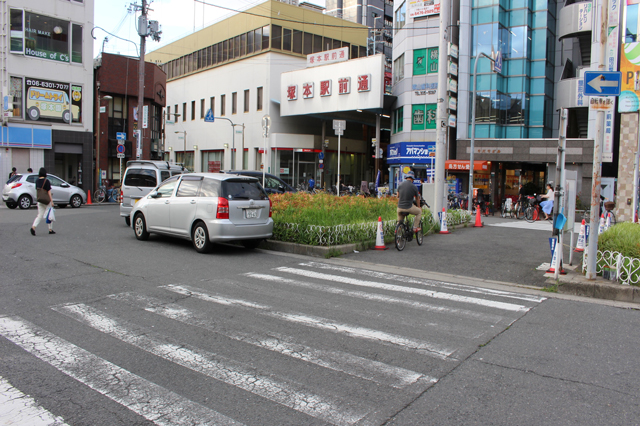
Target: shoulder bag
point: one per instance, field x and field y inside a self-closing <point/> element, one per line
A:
<point x="43" y="194"/>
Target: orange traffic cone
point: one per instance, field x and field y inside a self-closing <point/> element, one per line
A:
<point x="89" y="198"/>
<point x="581" y="238"/>
<point x="380" y="236"/>
<point x="478" y="218"/>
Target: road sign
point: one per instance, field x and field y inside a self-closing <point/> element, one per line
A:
<point x="119" y="155"/>
<point x="602" y="83"/>
<point x="497" y="63"/>
<point x="120" y="149"/>
<point x="339" y="124"/>
<point x="321" y="156"/>
<point x="121" y="137"/>
<point x="321" y="166"/>
<point x="209" y="118"/>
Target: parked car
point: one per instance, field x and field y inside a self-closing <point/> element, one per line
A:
<point x="20" y="191"/>
<point x="206" y="208"/>
<point x="273" y="184"/>
<point x="140" y="177"/>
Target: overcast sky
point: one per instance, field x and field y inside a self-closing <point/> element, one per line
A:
<point x="176" y="17"/>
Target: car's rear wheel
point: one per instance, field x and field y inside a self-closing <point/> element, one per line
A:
<point x="200" y="238"/>
<point x="251" y="244"/>
<point x="12" y="205"/>
<point x="24" y="201"/>
<point x="140" y="227"/>
<point x="76" y="201"/>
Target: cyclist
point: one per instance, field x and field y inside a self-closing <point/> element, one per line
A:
<point x="547" y="206"/>
<point x="312" y="184"/>
<point x="409" y="200"/>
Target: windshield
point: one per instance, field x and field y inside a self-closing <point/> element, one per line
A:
<point x="243" y="190"/>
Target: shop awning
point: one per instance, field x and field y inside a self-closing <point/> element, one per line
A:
<point x="464" y="165"/>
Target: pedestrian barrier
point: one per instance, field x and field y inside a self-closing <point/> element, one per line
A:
<point x="627" y="269"/>
<point x="581" y="238"/>
<point x="443" y="222"/>
<point x="380" y="236"/>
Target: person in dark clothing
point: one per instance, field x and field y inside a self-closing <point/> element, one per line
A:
<point x="12" y="174"/>
<point x="407" y="193"/>
<point x="43" y="183"/>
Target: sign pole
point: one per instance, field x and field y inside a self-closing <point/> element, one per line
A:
<point x="338" y="181"/>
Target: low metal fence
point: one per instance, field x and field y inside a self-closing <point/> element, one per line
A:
<point x="627" y="268"/>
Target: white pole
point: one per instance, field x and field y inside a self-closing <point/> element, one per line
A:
<point x="442" y="105"/>
<point x="636" y="166"/>
<point x="560" y="185"/>
<point x="338" y="179"/>
<point x="264" y="159"/>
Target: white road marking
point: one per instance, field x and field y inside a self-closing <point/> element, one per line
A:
<point x="281" y="391"/>
<point x="16" y="408"/>
<point x="430" y="283"/>
<point x="353" y="365"/>
<point x="145" y="398"/>
<point x="410" y="290"/>
<point x="377" y="336"/>
<point x="493" y="319"/>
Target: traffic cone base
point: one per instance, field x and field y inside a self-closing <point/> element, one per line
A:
<point x="478" y="218"/>
<point x="380" y="236"/>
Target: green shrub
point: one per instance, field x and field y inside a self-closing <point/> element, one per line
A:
<point x="623" y="238"/>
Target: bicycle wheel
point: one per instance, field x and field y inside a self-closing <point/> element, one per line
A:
<point x="115" y="194"/>
<point x="400" y="238"/>
<point x="419" y="236"/>
<point x="528" y="214"/>
<point x="503" y="211"/>
<point x="100" y="195"/>
<point x="520" y="213"/>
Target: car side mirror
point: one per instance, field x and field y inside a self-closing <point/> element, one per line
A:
<point x="155" y="194"/>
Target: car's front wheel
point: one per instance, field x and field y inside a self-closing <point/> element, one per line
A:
<point x="76" y="201"/>
<point x="12" y="205"/>
<point x="140" y="227"/>
<point x="24" y="201"/>
<point x="200" y="238"/>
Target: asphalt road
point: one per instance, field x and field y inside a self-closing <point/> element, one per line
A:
<point x="97" y="328"/>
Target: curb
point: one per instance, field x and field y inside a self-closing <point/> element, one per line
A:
<point x="576" y="284"/>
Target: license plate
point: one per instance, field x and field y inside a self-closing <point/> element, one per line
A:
<point x="251" y="213"/>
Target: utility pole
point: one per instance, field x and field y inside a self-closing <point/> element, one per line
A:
<point x="143" y="30"/>
<point x="442" y="116"/>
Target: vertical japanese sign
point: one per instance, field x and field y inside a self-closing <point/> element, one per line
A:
<point x="611" y="65"/>
<point x="432" y="66"/>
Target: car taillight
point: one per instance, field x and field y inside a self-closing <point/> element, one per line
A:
<point x="223" y="209"/>
<point x="15" y="185"/>
<point x="270" y="210"/>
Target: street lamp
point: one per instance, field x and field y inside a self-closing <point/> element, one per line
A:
<point x="473" y="126"/>
<point x="233" y="139"/>
<point x="164" y="125"/>
<point x="184" y="155"/>
<point x="100" y="99"/>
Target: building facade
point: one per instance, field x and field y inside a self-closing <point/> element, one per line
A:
<point x="233" y="69"/>
<point x="116" y="82"/>
<point x="47" y="88"/>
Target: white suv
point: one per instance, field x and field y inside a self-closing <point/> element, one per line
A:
<point x="140" y="178"/>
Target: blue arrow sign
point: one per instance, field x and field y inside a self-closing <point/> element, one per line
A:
<point x="602" y="83"/>
<point x="209" y="118"/>
<point x="497" y="63"/>
<point x="121" y="136"/>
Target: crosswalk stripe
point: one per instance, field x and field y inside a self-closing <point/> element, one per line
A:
<point x="382" y="298"/>
<point x="281" y="391"/>
<point x="16" y="408"/>
<point x="377" y="336"/>
<point x="411" y="290"/>
<point x="353" y="365"/>
<point x="430" y="283"/>
<point x="145" y="398"/>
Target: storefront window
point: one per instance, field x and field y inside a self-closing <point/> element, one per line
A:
<point x="212" y="161"/>
<point x="17" y="31"/>
<point x="276" y="39"/>
<point x="46" y="37"/>
<point x="16" y="92"/>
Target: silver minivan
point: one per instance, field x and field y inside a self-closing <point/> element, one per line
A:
<point x="206" y="208"/>
<point x="140" y="177"/>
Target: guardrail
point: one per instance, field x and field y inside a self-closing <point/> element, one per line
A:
<point x="628" y="268"/>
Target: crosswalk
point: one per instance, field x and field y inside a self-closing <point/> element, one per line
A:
<point x="307" y="343"/>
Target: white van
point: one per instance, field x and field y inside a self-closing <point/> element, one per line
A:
<point x="140" y="177"/>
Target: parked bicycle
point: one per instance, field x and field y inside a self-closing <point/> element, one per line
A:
<point x="533" y="211"/>
<point x="100" y="195"/>
<point x="404" y="230"/>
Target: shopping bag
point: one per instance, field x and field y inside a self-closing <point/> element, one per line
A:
<point x="51" y="216"/>
<point x="561" y="220"/>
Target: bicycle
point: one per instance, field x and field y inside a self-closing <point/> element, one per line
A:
<point x="507" y="208"/>
<point x="533" y="211"/>
<point x="520" y="210"/>
<point x="115" y="195"/>
<point x="101" y="194"/>
<point x="404" y="230"/>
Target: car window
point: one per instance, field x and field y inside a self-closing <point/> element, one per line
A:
<point x="164" y="176"/>
<point x="140" y="177"/>
<point x="14" y="178"/>
<point x="210" y="188"/>
<point x="189" y="186"/>
<point x="54" y="180"/>
<point x="166" y="189"/>
<point x="176" y="173"/>
<point x="243" y="190"/>
<point x="32" y="178"/>
<point x="272" y="183"/>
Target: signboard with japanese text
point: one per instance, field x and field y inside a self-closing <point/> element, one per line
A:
<point x="411" y="152"/>
<point x="418" y="8"/>
<point x="53" y="101"/>
<point x="328" y="57"/>
<point x="584" y="16"/>
<point x="343" y="86"/>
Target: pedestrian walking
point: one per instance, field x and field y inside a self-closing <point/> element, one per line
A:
<point x="43" y="188"/>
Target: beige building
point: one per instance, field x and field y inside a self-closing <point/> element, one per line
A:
<point x="233" y="68"/>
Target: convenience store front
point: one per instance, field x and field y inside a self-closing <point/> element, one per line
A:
<point x="403" y="157"/>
